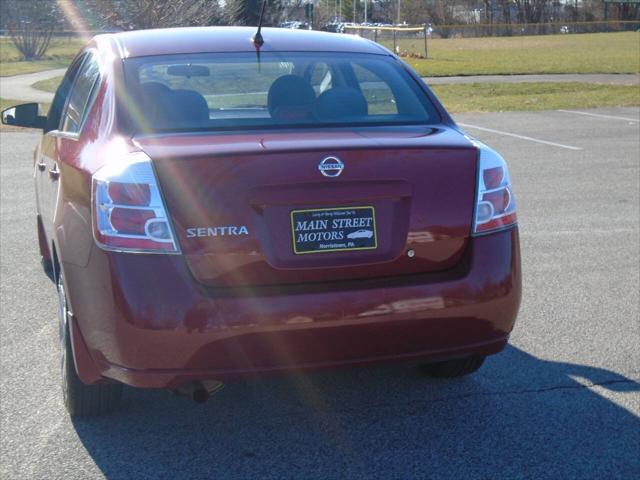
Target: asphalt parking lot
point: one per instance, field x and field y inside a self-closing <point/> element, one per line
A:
<point x="562" y="401"/>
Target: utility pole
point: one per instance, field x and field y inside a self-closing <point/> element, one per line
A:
<point x="398" y="22"/>
<point x="365" y="11"/>
<point x="354" y="11"/>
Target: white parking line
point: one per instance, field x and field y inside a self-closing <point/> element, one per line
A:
<point x="521" y="137"/>
<point x="593" y="232"/>
<point x="599" y="115"/>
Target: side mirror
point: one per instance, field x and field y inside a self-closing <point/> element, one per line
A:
<point x="25" y="115"/>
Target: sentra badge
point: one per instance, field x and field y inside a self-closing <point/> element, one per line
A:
<point x="231" y="230"/>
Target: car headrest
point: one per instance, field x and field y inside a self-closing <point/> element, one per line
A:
<point x="190" y="107"/>
<point x="341" y="102"/>
<point x="290" y="97"/>
<point x="154" y="89"/>
<point x="156" y="103"/>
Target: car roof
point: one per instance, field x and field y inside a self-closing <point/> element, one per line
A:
<point x="168" y="41"/>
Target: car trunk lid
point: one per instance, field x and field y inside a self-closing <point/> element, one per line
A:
<point x="255" y="209"/>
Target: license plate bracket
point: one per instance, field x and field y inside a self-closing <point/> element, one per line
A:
<point x="338" y="229"/>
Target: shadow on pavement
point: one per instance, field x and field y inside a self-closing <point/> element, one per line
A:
<point x="519" y="416"/>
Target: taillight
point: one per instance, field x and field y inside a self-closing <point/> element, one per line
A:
<point x="128" y="211"/>
<point x="495" y="204"/>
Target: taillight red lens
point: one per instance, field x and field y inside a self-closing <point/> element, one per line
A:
<point x="495" y="205"/>
<point x="497" y="223"/>
<point x="130" y="221"/>
<point x="129" y="214"/>
<point x="493" y="177"/>
<point x="499" y="199"/>
<point x="138" y="194"/>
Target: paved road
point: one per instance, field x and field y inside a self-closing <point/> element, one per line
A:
<point x="604" y="78"/>
<point x="18" y="87"/>
<point x="563" y="401"/>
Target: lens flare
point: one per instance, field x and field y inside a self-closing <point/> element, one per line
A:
<point x="75" y="19"/>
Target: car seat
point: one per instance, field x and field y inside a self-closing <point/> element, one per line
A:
<point x="291" y="98"/>
<point x="341" y="103"/>
<point x="189" y="108"/>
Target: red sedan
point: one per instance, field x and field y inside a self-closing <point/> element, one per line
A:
<point x="212" y="208"/>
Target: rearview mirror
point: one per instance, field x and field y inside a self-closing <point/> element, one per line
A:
<point x="25" y="115"/>
<point x="188" y="71"/>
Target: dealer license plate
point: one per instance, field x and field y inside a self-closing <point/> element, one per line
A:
<point x="333" y="229"/>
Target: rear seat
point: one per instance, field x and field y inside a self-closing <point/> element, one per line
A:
<point x="341" y="102"/>
<point x="174" y="108"/>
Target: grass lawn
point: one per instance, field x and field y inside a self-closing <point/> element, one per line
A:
<point x="60" y="53"/>
<point x="578" y="53"/>
<point x="487" y="97"/>
<point x="49" y="85"/>
<point x="492" y="97"/>
<point x="19" y="68"/>
<point x="497" y="97"/>
<point x="573" y="53"/>
<point x="6" y="103"/>
<point x="58" y="48"/>
<point x="609" y="52"/>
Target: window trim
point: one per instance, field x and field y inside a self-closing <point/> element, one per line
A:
<point x="88" y="55"/>
<point x="432" y="108"/>
<point x="81" y="61"/>
<point x="74" y="67"/>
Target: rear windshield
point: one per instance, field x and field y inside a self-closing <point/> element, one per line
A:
<point x="234" y="91"/>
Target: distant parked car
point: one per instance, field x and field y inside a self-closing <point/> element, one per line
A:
<point x="296" y="25"/>
<point x="335" y="27"/>
<point x="208" y="213"/>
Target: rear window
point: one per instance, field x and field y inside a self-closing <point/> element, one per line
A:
<point x="225" y="91"/>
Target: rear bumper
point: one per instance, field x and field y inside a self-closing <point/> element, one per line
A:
<point x="147" y="323"/>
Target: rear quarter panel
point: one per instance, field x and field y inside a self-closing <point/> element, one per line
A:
<point x="78" y="157"/>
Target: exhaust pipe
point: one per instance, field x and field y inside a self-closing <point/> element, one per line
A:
<point x="200" y="394"/>
<point x="199" y="391"/>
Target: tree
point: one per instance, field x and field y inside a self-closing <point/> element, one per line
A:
<point x="325" y="11"/>
<point x="347" y="10"/>
<point x="383" y="11"/>
<point x="144" y="14"/>
<point x="533" y="11"/>
<point x="243" y="12"/>
<point x="30" y="25"/>
<point x="247" y="12"/>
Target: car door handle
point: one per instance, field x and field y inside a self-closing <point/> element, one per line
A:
<point x="42" y="166"/>
<point x="54" y="173"/>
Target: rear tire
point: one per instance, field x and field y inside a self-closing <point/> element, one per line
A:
<point x="47" y="266"/>
<point x="454" y="368"/>
<point x="80" y="399"/>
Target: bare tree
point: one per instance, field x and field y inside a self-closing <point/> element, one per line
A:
<point x="247" y="12"/>
<point x="533" y="11"/>
<point x="384" y="11"/>
<point x="144" y="14"/>
<point x="323" y="13"/>
<point x="30" y="25"/>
